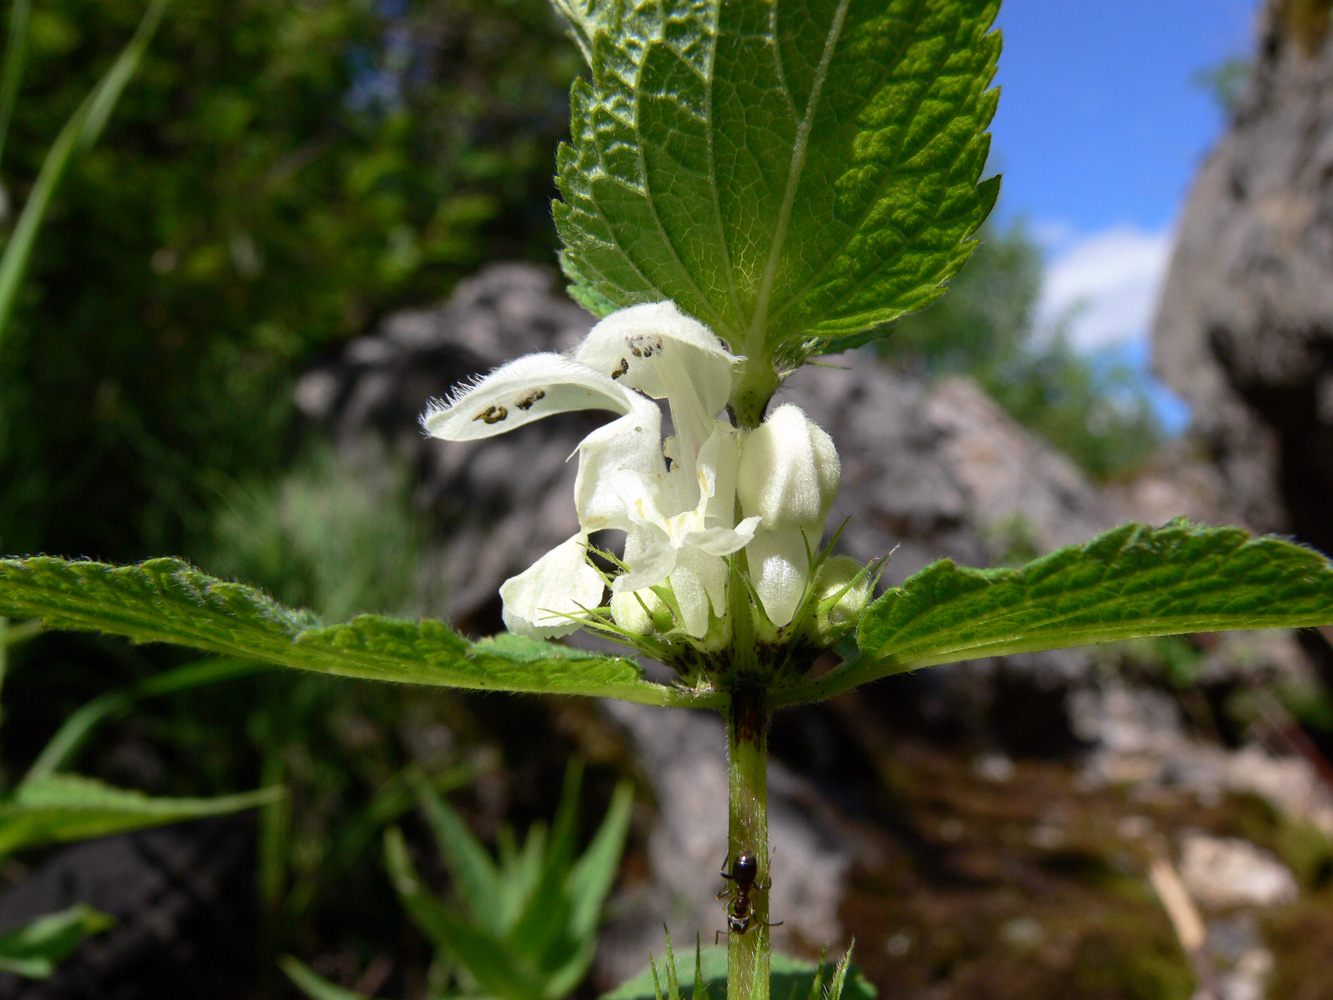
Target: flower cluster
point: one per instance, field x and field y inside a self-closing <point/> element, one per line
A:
<point x="688" y="504"/>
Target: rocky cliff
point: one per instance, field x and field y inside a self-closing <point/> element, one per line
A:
<point x="1245" y="326"/>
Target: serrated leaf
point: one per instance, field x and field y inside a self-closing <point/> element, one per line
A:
<point x="63" y="807"/>
<point x="35" y="949"/>
<point x="167" y="600"/>
<point x="790" y="172"/>
<point x="1132" y="581"/>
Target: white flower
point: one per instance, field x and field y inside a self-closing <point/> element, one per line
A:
<point x="687" y="546"/>
<point x="675" y="500"/>
<point x="789" y="473"/>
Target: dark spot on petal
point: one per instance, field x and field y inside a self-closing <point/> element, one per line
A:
<point x="526" y="402"/>
<point x="643" y="345"/>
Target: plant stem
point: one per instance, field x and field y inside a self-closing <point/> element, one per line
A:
<point x="747" y="780"/>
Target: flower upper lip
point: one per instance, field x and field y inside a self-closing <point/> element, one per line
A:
<point x="680" y="516"/>
<point x="522" y="391"/>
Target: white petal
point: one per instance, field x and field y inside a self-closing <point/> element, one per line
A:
<point x="524" y="390"/>
<point x="560" y="583"/>
<point x="779" y="567"/>
<point x="699" y="581"/>
<point x="722" y="541"/>
<point x="629" y="446"/>
<point x="718" y="459"/>
<point x="649" y="563"/>
<point x="657" y="349"/>
<point x="639" y="498"/>
<point x="789" y="472"/>
<point x="633" y="339"/>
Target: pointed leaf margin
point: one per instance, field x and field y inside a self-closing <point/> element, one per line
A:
<point x="168" y="600"/>
<point x="1130" y="582"/>
<point x="792" y="174"/>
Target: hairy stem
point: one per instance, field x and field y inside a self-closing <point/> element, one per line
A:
<point x="747" y="779"/>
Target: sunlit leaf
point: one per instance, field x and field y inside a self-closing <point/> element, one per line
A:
<point x="1133" y="581"/>
<point x="167" y="600"/>
<point x="790" y="172"/>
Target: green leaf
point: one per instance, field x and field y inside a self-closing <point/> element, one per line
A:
<point x="362" y="826"/>
<point x="790" y="172"/>
<point x="75" y="730"/>
<point x="595" y="872"/>
<point x="81" y="131"/>
<point x="314" y="985"/>
<point x="474" y="873"/>
<point x="167" y="600"/>
<point x="16" y="52"/>
<point x="792" y="977"/>
<point x="520" y="877"/>
<point x="582" y="17"/>
<point x="63" y="807"/>
<point x="542" y="929"/>
<point x="838" y="985"/>
<point x="487" y="958"/>
<point x="35" y="949"/>
<point x="1130" y="582"/>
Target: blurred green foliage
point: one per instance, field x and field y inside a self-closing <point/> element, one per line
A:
<point x="50" y="806"/>
<point x="524" y="926"/>
<point x="1094" y="409"/>
<point x="277" y="176"/>
<point x="334" y="533"/>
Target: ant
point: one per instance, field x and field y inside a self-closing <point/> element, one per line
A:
<point x="740" y="908"/>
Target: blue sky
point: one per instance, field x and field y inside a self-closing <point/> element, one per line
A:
<point x="1100" y="123"/>
<point x="1100" y="130"/>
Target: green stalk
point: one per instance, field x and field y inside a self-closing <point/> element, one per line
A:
<point x="747" y="781"/>
<point x="753" y="383"/>
<point x="80" y="132"/>
<point x="4" y="653"/>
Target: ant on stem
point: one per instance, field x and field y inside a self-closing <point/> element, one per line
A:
<point x="740" y="908"/>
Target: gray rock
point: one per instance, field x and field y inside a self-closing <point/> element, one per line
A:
<point x="1222" y="872"/>
<point x="182" y="898"/>
<point x="929" y="470"/>
<point x="1244" y="330"/>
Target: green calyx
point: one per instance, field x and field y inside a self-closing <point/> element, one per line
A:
<point x="742" y="646"/>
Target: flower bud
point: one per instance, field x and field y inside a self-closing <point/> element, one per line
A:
<point x="842" y="585"/>
<point x="788" y="475"/>
<point x="641" y="612"/>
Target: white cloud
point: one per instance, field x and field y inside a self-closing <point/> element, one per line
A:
<point x="1105" y="285"/>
